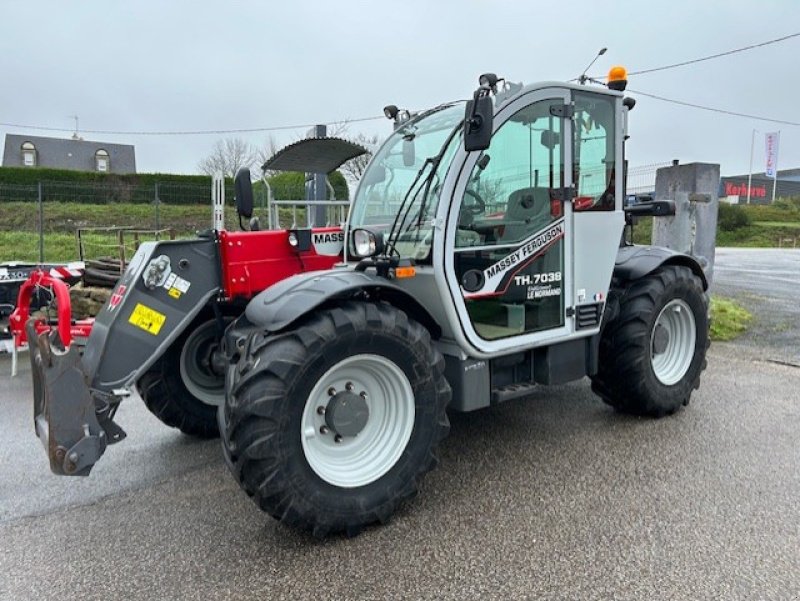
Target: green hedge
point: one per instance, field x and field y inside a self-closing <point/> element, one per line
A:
<point x="21" y="184"/>
<point x="291" y="186"/>
<point x="30" y="176"/>
<point x="732" y="217"/>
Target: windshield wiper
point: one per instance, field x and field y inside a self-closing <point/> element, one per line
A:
<point x="392" y="238"/>
<point x="433" y="162"/>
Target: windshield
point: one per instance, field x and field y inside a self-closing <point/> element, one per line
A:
<point x="402" y="184"/>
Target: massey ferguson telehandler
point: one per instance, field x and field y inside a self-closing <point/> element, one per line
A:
<point x="484" y="256"/>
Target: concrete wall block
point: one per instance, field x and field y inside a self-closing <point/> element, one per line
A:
<point x="693" y="230"/>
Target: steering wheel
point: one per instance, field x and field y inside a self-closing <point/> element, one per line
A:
<point x="476" y="207"/>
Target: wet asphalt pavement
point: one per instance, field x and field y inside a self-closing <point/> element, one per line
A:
<point x="766" y="281"/>
<point x="554" y="497"/>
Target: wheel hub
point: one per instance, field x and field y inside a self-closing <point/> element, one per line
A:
<point x="347" y="413"/>
<point x="672" y="342"/>
<point x="660" y="339"/>
<point x="357" y="420"/>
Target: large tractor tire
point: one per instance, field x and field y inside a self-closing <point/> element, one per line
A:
<point x="652" y="354"/>
<point x="186" y="385"/>
<point x="332" y="425"/>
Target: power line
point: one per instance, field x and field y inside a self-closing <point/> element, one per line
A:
<point x="713" y="56"/>
<point x="713" y="109"/>
<point x="201" y="132"/>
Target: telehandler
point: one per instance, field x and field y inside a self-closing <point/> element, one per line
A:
<point x="484" y="256"/>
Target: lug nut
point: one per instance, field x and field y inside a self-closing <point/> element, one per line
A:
<point x="363" y="395"/>
<point x="321" y="410"/>
<point x="331" y="391"/>
<point x="337" y="438"/>
<point x="323" y="430"/>
<point x="349" y="387"/>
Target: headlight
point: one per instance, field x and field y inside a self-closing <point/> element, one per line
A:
<point x="366" y="243"/>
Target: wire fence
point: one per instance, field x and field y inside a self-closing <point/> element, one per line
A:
<point x="642" y="178"/>
<point x="41" y="222"/>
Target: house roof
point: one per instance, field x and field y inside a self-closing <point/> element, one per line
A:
<point x="61" y="153"/>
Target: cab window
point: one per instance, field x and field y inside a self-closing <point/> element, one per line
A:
<point x="594" y="148"/>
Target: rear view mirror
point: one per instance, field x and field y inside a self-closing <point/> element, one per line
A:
<point x="243" y="189"/>
<point x="478" y="123"/>
<point x="409" y="153"/>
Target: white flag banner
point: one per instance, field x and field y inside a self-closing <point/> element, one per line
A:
<point x="771" y="141"/>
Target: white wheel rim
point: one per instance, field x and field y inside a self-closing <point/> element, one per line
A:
<point x="677" y="319"/>
<point x="361" y="459"/>
<point x="202" y="384"/>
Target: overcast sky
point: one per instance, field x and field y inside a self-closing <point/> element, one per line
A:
<point x="180" y="65"/>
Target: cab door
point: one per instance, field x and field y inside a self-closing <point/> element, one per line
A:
<point x="508" y="257"/>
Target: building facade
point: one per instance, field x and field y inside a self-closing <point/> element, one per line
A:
<point x="71" y="153"/>
<point x="735" y="187"/>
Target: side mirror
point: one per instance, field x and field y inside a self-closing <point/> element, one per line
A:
<point x="478" y="122"/>
<point x="409" y="153"/>
<point x="243" y="189"/>
<point x="550" y="139"/>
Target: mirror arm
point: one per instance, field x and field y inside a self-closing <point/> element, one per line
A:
<point x="475" y="121"/>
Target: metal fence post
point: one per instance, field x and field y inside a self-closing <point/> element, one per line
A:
<point x="695" y="189"/>
<point x="41" y="224"/>
<point x="158" y="202"/>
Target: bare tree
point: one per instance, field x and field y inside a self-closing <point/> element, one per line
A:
<point x="228" y="156"/>
<point x="354" y="169"/>
<point x="338" y="129"/>
<point x="265" y="152"/>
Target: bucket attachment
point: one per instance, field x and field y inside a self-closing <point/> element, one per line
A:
<point x="66" y="417"/>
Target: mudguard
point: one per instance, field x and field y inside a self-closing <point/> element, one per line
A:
<point x="282" y="304"/>
<point x="634" y="262"/>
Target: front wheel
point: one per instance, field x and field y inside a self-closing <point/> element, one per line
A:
<point x="332" y="425"/>
<point x="652" y="354"/>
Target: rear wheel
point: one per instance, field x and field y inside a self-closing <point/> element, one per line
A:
<point x="186" y="385"/>
<point x="652" y="354"/>
<point x="332" y="425"/>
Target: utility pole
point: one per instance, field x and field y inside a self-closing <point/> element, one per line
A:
<point x="750" y="176"/>
<point x="75" y="136"/>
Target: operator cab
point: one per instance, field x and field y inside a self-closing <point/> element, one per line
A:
<point x="493" y="223"/>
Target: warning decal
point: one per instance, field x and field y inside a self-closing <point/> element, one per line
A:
<point x="147" y="319"/>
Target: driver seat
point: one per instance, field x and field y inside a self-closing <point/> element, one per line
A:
<point x="527" y="211"/>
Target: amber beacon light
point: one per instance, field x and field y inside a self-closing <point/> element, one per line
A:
<point x="618" y="78"/>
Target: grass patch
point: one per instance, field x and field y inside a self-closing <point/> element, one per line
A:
<point x="19" y="223"/>
<point x="786" y="224"/>
<point x="757" y="236"/>
<point x="728" y="319"/>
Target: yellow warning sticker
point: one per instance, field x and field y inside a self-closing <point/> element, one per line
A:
<point x="147" y="319"/>
<point x="174" y="293"/>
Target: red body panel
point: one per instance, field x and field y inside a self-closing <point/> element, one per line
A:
<point x="253" y="261"/>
